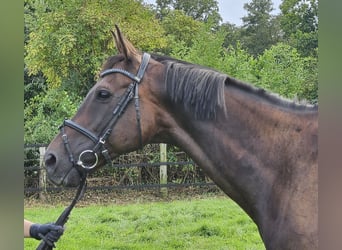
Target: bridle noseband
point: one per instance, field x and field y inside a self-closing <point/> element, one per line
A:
<point x="88" y="158"/>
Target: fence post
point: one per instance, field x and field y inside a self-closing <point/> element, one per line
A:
<point x="163" y="170"/>
<point x="42" y="173"/>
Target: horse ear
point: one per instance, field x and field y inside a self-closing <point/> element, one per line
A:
<point x="116" y="42"/>
<point x="123" y="45"/>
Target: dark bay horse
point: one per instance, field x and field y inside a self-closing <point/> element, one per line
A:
<point x="260" y="149"/>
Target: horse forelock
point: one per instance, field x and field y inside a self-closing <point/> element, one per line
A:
<point x="200" y="90"/>
<point x="113" y="60"/>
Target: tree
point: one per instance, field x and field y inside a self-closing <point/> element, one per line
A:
<point x="233" y="34"/>
<point x="281" y="69"/>
<point x="206" y="48"/>
<point x="200" y="10"/>
<point x="33" y="86"/>
<point x="239" y="64"/>
<point x="69" y="40"/>
<point x="44" y="113"/>
<point x="299" y="22"/>
<point x="259" y="30"/>
<point x="180" y="28"/>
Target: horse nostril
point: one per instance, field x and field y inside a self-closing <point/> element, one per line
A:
<point x="50" y="160"/>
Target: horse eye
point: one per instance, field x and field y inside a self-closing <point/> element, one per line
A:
<point x="103" y="94"/>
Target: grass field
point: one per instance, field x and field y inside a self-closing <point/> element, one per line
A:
<point x="208" y="223"/>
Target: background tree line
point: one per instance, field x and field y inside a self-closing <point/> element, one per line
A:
<point x="67" y="41"/>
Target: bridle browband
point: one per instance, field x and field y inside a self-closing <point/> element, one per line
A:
<point x="88" y="159"/>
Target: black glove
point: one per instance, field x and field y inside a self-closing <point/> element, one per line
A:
<point x="49" y="232"/>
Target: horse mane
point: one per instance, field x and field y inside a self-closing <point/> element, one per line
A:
<point x="273" y="98"/>
<point x="201" y="89"/>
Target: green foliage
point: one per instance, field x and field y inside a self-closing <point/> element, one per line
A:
<point x="44" y="113"/>
<point x="299" y="23"/>
<point x="204" y="41"/>
<point x="233" y="34"/>
<point x="180" y="28"/>
<point x="69" y="40"/>
<point x="299" y="15"/>
<point x="210" y="223"/>
<point x="259" y="31"/>
<point x="239" y="64"/>
<point x="33" y="85"/>
<point x="207" y="50"/>
<point x="200" y="10"/>
<point x="305" y="42"/>
<point x="282" y="70"/>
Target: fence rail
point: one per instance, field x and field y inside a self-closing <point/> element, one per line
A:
<point x="164" y="174"/>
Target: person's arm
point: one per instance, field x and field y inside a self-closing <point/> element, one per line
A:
<point x="50" y="232"/>
<point x="27" y="226"/>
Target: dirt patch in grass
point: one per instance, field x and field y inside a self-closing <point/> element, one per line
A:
<point x="124" y="196"/>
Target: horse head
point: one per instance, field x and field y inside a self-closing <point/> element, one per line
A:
<point x="109" y="122"/>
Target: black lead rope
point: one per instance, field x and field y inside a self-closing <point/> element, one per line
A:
<point x="63" y="218"/>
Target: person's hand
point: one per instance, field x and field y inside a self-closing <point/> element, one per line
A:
<point x="49" y="232"/>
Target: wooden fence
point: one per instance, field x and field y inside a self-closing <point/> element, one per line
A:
<point x="175" y="170"/>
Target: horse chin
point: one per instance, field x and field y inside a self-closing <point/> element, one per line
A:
<point x="72" y="179"/>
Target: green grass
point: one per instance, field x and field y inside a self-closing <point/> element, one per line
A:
<point x="210" y="223"/>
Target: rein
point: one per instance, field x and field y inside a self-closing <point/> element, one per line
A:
<point x="83" y="165"/>
<point x="63" y="218"/>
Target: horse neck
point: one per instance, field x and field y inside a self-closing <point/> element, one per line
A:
<point x="252" y="151"/>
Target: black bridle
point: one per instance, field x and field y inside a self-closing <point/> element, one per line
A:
<point x="88" y="159"/>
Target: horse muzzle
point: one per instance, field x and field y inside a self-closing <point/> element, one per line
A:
<point x="61" y="173"/>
